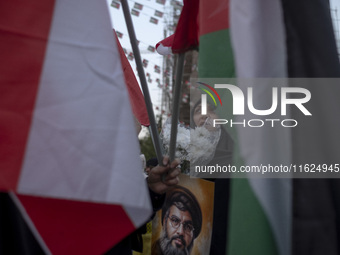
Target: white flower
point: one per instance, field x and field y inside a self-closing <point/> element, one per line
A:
<point x="195" y="145"/>
<point x="203" y="145"/>
<point x="182" y="141"/>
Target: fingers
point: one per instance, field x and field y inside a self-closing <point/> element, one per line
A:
<point x="166" y="167"/>
<point x="172" y="178"/>
<point x="165" y="160"/>
<point x="159" y="170"/>
<point x="172" y="181"/>
<point x="162" y="177"/>
<point x="174" y="173"/>
<point x="175" y="163"/>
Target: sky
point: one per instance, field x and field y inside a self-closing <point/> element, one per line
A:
<point x="148" y="34"/>
<point x="335" y="6"/>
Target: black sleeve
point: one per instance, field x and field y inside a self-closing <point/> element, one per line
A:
<point x="15" y="235"/>
<point x="157" y="200"/>
<point x="135" y="241"/>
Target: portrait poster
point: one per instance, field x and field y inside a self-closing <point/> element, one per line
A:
<point x="191" y="191"/>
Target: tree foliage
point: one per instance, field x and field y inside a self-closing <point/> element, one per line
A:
<point x="147" y="147"/>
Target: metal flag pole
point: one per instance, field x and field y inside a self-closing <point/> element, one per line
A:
<point x="141" y="74"/>
<point x="175" y="105"/>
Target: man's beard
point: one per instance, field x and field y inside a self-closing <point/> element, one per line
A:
<point x="168" y="249"/>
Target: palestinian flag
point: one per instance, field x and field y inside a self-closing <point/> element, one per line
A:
<point x="216" y="56"/>
<point x="276" y="40"/>
<point x="154" y="20"/>
<point x="115" y="4"/>
<point x="157" y="69"/>
<point x="176" y="4"/>
<point x="145" y="63"/>
<point x="135" y="12"/>
<point x="216" y="61"/>
<point x="253" y="226"/>
<point x="161" y="2"/>
<point x="151" y="48"/>
<point x="264" y="218"/>
<point x="69" y="154"/>
<point x="130" y="56"/>
<point x="158" y="14"/>
<point x="138" y="6"/>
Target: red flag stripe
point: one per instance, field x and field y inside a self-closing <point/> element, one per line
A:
<point x="71" y="222"/>
<point x="186" y="35"/>
<point x="213" y="19"/>
<point x="135" y="94"/>
<point x="21" y="64"/>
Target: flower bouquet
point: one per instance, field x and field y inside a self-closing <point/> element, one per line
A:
<point x="194" y="146"/>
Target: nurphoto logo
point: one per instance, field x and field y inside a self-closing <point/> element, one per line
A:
<point x="298" y="97"/>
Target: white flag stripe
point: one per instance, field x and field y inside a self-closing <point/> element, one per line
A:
<point x="163" y="50"/>
<point x="262" y="22"/>
<point x="258" y="39"/>
<point x="276" y="199"/>
<point x="83" y="144"/>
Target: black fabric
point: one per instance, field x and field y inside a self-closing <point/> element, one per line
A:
<point x="152" y="162"/>
<point x="310" y="39"/>
<point x="312" y="53"/>
<point x="122" y="248"/>
<point x="224" y="149"/>
<point x="220" y="221"/>
<point x="335" y="193"/>
<point x="223" y="156"/>
<point x="315" y="217"/>
<point x="135" y="241"/>
<point x="15" y="235"/>
<point x="157" y="201"/>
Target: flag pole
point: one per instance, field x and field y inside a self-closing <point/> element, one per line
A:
<point x="141" y="74"/>
<point x="175" y="105"/>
